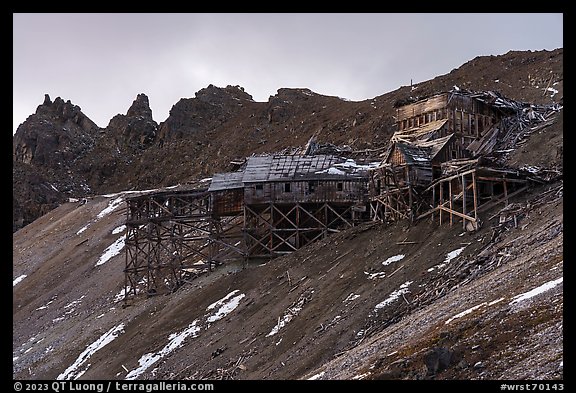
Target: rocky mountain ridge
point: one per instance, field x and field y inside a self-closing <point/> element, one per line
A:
<point x="59" y="148"/>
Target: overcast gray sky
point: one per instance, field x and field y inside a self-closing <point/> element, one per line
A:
<point x="102" y="61"/>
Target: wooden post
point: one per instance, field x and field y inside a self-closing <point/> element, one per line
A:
<point x="450" y="196"/>
<point x="271" y="229"/>
<point x="297" y="240"/>
<point x="475" y="197"/>
<point x="441" y="200"/>
<point x="433" y="200"/>
<point x="463" y="200"/>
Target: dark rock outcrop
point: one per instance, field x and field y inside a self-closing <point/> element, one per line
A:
<point x="135" y="129"/>
<point x="211" y="107"/>
<point x="54" y="136"/>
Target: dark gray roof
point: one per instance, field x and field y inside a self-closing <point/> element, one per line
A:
<point x="226" y="181"/>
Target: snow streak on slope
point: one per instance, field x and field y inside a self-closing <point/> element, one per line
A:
<point x="112" y="250"/>
<point x="226" y="305"/>
<point x="451" y="255"/>
<point x="394" y="295"/>
<point x="18" y="279"/>
<point x="536" y="291"/>
<point x="176" y="340"/>
<point x="72" y="371"/>
<point x="287" y="317"/>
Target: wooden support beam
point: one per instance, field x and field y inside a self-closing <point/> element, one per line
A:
<point x="501" y="199"/>
<point x="464" y="201"/>
<point x="457" y="213"/>
<point x="441" y="201"/>
<point x="433" y="202"/>
<point x="450" y="194"/>
<point x="475" y="195"/>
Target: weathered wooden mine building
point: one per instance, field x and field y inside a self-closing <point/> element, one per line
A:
<point x="449" y="127"/>
<point x="275" y="204"/>
<point x="290" y="201"/>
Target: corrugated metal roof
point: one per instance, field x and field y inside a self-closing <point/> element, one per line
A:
<point x="261" y="169"/>
<point x="257" y="169"/>
<point x="226" y="181"/>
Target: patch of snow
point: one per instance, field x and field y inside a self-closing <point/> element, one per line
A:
<point x="316" y="376"/>
<point x="55" y="320"/>
<point x="279" y="341"/>
<point x="18" y="279"/>
<point x="395" y="258"/>
<point x="361" y="376"/>
<point x="496" y="80"/>
<point x="71" y="372"/>
<point x="465" y="312"/>
<point x="49" y="349"/>
<point x="83" y="371"/>
<point x="14" y="358"/>
<point x="119" y="229"/>
<point x="41" y="308"/>
<point x="226" y="304"/>
<point x="376" y="275"/>
<point x="175" y="341"/>
<point x="82" y="229"/>
<point x="536" y="291"/>
<point x="289" y="314"/>
<point x="112" y="205"/>
<point x="420" y="158"/>
<point x="113" y="250"/>
<point x="55" y="189"/>
<point x="495" y="301"/>
<point x="554" y="91"/>
<point x="28" y="350"/>
<point x="394" y="295"/>
<point x="451" y="255"/>
<point x="75" y="302"/>
<point x="351" y="297"/>
<point x="530" y="168"/>
<point x="205" y="179"/>
<point x="332" y="171"/>
<point x="100" y="316"/>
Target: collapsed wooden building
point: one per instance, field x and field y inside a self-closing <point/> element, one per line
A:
<point x="435" y="166"/>
<point x="435" y="161"/>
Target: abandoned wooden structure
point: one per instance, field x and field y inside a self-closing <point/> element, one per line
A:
<point x="466" y="188"/>
<point x="431" y="132"/>
<point x="272" y="206"/>
<point x="171" y="235"/>
<point x="467" y="115"/>
<point x="275" y="204"/>
<point x="290" y="201"/>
